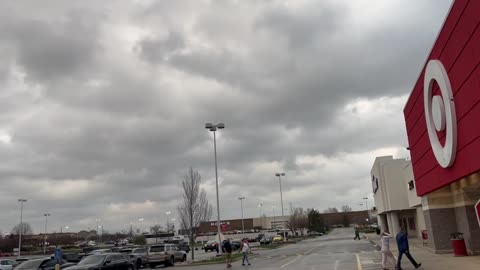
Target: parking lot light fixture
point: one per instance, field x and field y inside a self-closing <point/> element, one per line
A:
<point x="45" y="236"/>
<point x="279" y="175"/>
<point x="21" y="201"/>
<point x="241" y="207"/>
<point x="213" y="128"/>
<point x="366" y="202"/>
<point x="260" y="210"/>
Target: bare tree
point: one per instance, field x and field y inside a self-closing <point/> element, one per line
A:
<point x="346" y="208"/>
<point x="156" y="229"/>
<point x="298" y="220"/>
<point x="331" y="210"/>
<point x="25" y="228"/>
<point x="194" y="207"/>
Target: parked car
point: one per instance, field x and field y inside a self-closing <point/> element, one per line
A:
<point x="236" y="243"/>
<point x="137" y="255"/>
<point x="277" y="238"/>
<point x="112" y="261"/>
<point x="73" y="257"/>
<point x="184" y="246"/>
<point x="266" y="240"/>
<point x="100" y="251"/>
<point x="211" y="245"/>
<point x="7" y="264"/>
<point x="314" y="233"/>
<point x="166" y="254"/>
<point x="42" y="264"/>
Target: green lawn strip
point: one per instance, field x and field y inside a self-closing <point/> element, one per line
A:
<point x="273" y="246"/>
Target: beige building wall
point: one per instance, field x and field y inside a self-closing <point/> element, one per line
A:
<point x="267" y="222"/>
<point x="451" y="209"/>
<point x="395" y="201"/>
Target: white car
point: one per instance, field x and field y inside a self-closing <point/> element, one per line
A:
<point x="7" y="264"/>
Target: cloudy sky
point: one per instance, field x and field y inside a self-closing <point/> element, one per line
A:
<point x="103" y="106"/>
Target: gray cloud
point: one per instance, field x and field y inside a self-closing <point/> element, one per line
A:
<point x="102" y="108"/>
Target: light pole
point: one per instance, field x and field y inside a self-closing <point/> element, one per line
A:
<point x="141" y="225"/>
<point x="241" y="206"/>
<point x="96" y="230"/>
<point x="213" y="128"/>
<point x="273" y="208"/>
<point x="260" y="210"/>
<point x="279" y="175"/>
<point x="45" y="236"/>
<point x="61" y="228"/>
<point x="366" y="202"/>
<point x="168" y="221"/>
<point x="361" y="206"/>
<point x="21" y="226"/>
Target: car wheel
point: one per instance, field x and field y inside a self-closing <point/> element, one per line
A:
<point x="139" y="264"/>
<point x="184" y="258"/>
<point x="170" y="262"/>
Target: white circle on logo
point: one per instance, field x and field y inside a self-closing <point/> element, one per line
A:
<point x="440" y="113"/>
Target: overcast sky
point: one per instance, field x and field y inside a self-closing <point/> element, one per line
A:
<point x="103" y="103"/>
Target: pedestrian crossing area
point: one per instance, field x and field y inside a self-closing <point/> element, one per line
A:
<point x="314" y="254"/>
<point x="367" y="260"/>
<point x="371" y="261"/>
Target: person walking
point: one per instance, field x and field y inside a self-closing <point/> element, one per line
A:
<point x="386" y="253"/>
<point x="227" y="248"/>
<point x="403" y="248"/>
<point x="245" y="248"/>
<point x="357" y="234"/>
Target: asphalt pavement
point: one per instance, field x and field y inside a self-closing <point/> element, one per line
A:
<point x="336" y="251"/>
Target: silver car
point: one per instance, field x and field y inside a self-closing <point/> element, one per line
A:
<point x="137" y="255"/>
<point x="166" y="254"/>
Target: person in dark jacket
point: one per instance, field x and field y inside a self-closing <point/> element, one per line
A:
<point x="227" y="248"/>
<point x="357" y="234"/>
<point x="403" y="248"/>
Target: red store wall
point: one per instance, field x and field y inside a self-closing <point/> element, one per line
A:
<point x="458" y="48"/>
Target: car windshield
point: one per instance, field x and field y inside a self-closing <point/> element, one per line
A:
<point x="31" y="264"/>
<point x="93" y="259"/>
<point x="138" y="250"/>
<point x="126" y="251"/>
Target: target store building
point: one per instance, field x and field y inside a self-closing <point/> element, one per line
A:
<point x="442" y="118"/>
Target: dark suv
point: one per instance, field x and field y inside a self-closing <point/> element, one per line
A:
<point x="112" y="261"/>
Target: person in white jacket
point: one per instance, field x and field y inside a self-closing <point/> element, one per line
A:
<point x="386" y="253"/>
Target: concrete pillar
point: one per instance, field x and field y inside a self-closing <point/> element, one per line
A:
<point x="382" y="222"/>
<point x="395" y="227"/>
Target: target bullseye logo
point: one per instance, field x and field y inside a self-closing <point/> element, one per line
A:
<point x="440" y="113"/>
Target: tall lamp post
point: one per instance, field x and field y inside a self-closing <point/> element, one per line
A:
<point x="241" y="207"/>
<point x="168" y="220"/>
<point x="213" y="128"/>
<point x="279" y="175"/>
<point x="366" y="202"/>
<point x="21" y="226"/>
<point x="273" y="208"/>
<point x="260" y="210"/>
<point x="45" y="236"/>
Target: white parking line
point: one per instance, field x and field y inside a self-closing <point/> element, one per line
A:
<point x="309" y="250"/>
<point x="290" y="262"/>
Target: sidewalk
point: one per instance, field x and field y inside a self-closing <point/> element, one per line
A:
<point x="428" y="259"/>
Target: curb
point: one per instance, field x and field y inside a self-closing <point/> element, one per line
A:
<point x="371" y="241"/>
<point x="211" y="263"/>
